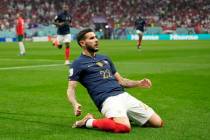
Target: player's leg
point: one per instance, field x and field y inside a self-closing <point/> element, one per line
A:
<point x="117" y="114"/>
<point x="139" y="41"/>
<point x="67" y="40"/>
<point x="67" y="53"/>
<point x="21" y="45"/>
<point x="55" y="41"/>
<point x="58" y="41"/>
<point x="117" y="125"/>
<point x="154" y="121"/>
<point x="22" y="48"/>
<point x="140" y="35"/>
<point x="142" y="114"/>
<point x="115" y="120"/>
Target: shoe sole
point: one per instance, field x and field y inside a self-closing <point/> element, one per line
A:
<point x="84" y="120"/>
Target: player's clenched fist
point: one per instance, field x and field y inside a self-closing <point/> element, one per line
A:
<point x="145" y="83"/>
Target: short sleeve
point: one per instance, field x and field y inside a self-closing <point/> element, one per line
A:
<point x="56" y="18"/>
<point x="74" y="72"/>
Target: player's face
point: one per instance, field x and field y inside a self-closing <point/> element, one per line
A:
<point x="17" y="15"/>
<point x="91" y="42"/>
<point x="65" y="7"/>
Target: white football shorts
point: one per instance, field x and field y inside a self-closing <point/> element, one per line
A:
<point x="64" y="38"/>
<point x="125" y="105"/>
<point x="139" y="32"/>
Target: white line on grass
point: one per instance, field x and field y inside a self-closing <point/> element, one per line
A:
<point x="34" y="66"/>
<point x="8" y="59"/>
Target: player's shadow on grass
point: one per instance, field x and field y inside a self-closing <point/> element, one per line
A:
<point x="35" y="119"/>
<point x="30" y="117"/>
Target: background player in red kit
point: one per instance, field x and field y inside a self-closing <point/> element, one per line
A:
<point x="20" y="33"/>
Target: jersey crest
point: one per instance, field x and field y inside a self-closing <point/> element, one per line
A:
<point x="100" y="64"/>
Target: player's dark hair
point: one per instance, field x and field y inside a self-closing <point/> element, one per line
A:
<point x="82" y="33"/>
<point x="20" y="14"/>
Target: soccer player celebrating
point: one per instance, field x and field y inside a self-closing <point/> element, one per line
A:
<point x="105" y="85"/>
<point x="20" y="33"/>
<point x="139" y="25"/>
<point x="62" y="21"/>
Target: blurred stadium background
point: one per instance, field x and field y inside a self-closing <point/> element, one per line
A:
<point x="112" y="19"/>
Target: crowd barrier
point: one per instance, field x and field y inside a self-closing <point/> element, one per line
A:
<point x="129" y="37"/>
<point x="171" y="37"/>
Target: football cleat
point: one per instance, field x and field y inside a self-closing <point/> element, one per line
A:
<point x="67" y="62"/>
<point x="82" y="122"/>
<point x="22" y="54"/>
<point x="138" y="47"/>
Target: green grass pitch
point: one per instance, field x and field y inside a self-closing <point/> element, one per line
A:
<point x="33" y="102"/>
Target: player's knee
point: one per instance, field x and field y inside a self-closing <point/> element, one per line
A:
<point x="158" y="123"/>
<point x="155" y="121"/>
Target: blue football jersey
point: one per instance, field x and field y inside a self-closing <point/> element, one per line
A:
<point x="139" y="24"/>
<point x="65" y="28"/>
<point x="97" y="76"/>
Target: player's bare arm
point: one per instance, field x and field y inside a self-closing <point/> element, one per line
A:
<point x="144" y="83"/>
<point x="72" y="98"/>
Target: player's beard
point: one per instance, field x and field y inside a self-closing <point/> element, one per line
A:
<point x="91" y="49"/>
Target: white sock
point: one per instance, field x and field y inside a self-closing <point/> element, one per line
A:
<point x="22" y="48"/>
<point x="89" y="123"/>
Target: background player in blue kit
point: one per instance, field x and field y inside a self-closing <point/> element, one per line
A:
<point x="139" y="25"/>
<point x="105" y="86"/>
<point x="62" y="21"/>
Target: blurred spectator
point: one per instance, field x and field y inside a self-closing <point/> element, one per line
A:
<point x="164" y="13"/>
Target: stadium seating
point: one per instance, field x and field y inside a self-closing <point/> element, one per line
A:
<point x="153" y="30"/>
<point x="181" y="31"/>
<point x="185" y="31"/>
<point x="7" y="34"/>
<point x="119" y="14"/>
